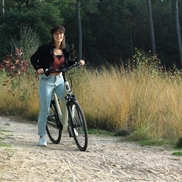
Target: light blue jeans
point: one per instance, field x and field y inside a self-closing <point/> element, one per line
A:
<point x="46" y="86"/>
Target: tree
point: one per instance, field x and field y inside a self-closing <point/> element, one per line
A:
<point x="109" y="29"/>
<point x="3" y="12"/>
<point x="79" y="30"/>
<point x="178" y="31"/>
<point x="2" y="9"/>
<point x="152" y="36"/>
<point x="35" y="18"/>
<point x="89" y="6"/>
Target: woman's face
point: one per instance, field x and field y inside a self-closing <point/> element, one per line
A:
<point x="58" y="37"/>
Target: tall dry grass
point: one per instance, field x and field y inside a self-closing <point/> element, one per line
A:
<point x="19" y="95"/>
<point x="143" y="102"/>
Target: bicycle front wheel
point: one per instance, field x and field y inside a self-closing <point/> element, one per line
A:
<point x="53" y="128"/>
<point x="78" y="125"/>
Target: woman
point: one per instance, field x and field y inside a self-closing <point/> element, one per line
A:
<point x="51" y="55"/>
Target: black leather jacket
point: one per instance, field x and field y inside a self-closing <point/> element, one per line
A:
<point x="43" y="57"/>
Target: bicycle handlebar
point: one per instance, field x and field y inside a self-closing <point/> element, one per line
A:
<point x="64" y="68"/>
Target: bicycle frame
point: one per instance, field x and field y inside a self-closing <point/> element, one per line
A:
<point x="63" y="114"/>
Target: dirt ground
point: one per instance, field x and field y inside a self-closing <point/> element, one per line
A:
<point x="107" y="159"/>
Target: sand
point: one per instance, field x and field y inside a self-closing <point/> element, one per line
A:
<point x="107" y="159"/>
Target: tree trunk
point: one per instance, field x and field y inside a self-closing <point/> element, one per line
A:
<point x="152" y="37"/>
<point x="3" y="11"/>
<point x="2" y="7"/>
<point x="79" y="30"/>
<point x="178" y="31"/>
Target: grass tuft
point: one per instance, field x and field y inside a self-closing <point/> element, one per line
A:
<point x="177" y="153"/>
<point x="179" y="143"/>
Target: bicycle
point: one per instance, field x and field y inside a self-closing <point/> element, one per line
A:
<point x="71" y="117"/>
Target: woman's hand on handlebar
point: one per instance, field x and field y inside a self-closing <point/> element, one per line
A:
<point x="40" y="71"/>
<point x="82" y="62"/>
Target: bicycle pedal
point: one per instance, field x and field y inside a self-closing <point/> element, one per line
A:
<point x="51" y="118"/>
<point x="70" y="132"/>
<point x="60" y="126"/>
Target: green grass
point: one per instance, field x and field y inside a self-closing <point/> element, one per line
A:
<point x="4" y="131"/>
<point x="100" y="132"/>
<point x="157" y="142"/>
<point x="121" y="132"/>
<point x="177" y="153"/>
<point x="2" y="144"/>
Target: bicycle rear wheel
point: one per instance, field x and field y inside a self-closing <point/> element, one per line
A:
<point x="78" y="125"/>
<point x="53" y="127"/>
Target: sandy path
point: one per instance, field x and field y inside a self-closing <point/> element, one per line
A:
<point x="106" y="160"/>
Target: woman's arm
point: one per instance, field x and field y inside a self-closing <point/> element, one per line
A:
<point x="71" y="62"/>
<point x="34" y="59"/>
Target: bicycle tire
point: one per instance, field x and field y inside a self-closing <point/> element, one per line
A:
<point x="54" y="131"/>
<point x="78" y="125"/>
